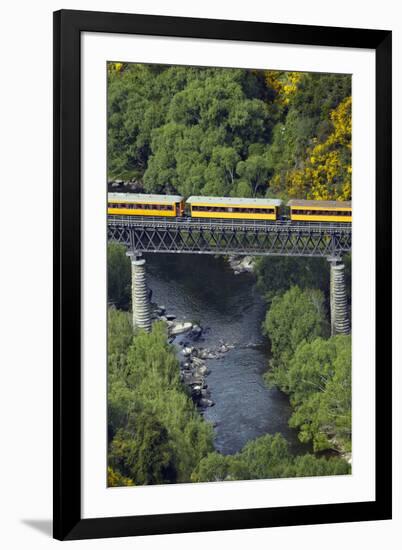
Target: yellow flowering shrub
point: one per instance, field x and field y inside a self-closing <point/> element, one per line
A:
<point x="327" y="171"/>
<point x="115" y="67"/>
<point x="284" y="84"/>
<point x="115" y="479"/>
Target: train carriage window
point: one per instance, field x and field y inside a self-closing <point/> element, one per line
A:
<point x="321" y="213"/>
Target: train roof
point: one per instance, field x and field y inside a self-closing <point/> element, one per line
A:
<point x="322" y="204"/>
<point x="143" y="197"/>
<point x="234" y="200"/>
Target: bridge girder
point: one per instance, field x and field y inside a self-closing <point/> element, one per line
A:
<point x="214" y="237"/>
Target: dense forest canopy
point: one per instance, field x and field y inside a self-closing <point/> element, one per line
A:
<point x="230" y="132"/>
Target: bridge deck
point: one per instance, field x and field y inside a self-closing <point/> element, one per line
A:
<point x="209" y="236"/>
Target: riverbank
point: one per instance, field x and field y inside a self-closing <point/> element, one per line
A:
<point x="193" y="357"/>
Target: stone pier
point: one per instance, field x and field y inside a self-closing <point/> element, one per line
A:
<point x="139" y="293"/>
<point x="340" y="323"/>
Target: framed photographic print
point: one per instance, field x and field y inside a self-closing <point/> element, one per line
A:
<point x="220" y="361"/>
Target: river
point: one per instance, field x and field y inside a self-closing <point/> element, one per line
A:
<point x="205" y="290"/>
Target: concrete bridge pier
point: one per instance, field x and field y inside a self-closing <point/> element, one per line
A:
<point x="139" y="293"/>
<point x="340" y="322"/>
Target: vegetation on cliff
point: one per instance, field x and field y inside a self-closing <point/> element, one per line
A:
<point x="238" y="132"/>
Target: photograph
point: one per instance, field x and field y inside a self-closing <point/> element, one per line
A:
<point x="228" y="211"/>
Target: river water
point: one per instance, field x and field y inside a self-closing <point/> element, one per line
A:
<point x="205" y="290"/>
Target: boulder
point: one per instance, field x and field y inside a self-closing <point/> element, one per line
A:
<point x="180" y="328"/>
<point x="198" y="362"/>
<point x="187" y="351"/>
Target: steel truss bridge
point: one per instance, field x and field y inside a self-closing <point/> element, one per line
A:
<point x="209" y="236"/>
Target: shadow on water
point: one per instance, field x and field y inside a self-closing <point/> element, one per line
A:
<point x="205" y="289"/>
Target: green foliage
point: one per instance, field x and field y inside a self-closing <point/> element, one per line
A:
<point x="254" y="170"/>
<point x="208" y="129"/>
<point x="309" y="465"/>
<point x="309" y="131"/>
<point x="214" y="467"/>
<point x="319" y="381"/>
<point x="303" y="272"/>
<point x="185" y="129"/>
<point x="295" y="317"/>
<point x="120" y="398"/>
<point x="155" y="432"/>
<point x="118" y="276"/>
<point x="265" y="457"/>
<point x="115" y="479"/>
<point x="142" y="451"/>
<point x="326" y="173"/>
<point x="138" y="99"/>
<point x="316" y="373"/>
<point x="237" y="132"/>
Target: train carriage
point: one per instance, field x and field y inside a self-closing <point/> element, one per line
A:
<point x="234" y="208"/>
<point x="320" y="211"/>
<point x="139" y="204"/>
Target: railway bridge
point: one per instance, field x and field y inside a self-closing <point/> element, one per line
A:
<point x="232" y="237"/>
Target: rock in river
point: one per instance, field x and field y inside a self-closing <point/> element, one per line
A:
<point x="179" y="328"/>
<point x="187" y="351"/>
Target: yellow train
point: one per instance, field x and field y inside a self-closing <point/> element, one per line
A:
<point x="228" y="208"/>
<point x="320" y="211"/>
<point x="138" y="204"/>
<point x="234" y="208"/>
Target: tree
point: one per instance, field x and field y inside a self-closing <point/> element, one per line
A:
<point x="315" y="105"/>
<point x="284" y="84"/>
<point x="265" y="457"/>
<point x="327" y="171"/>
<point x="142" y="451"/>
<point x="302" y="272"/>
<point x="192" y="130"/>
<point x="153" y="373"/>
<point x="319" y="381"/>
<point x="309" y="465"/>
<point x="149" y="411"/>
<point x="295" y="317"/>
<point x="220" y="174"/>
<point x="118" y="276"/>
<point x="115" y="479"/>
<point x="213" y="467"/>
<point x="138" y="100"/>
<point x="120" y="397"/>
<point x="209" y="127"/>
<point x="254" y="170"/>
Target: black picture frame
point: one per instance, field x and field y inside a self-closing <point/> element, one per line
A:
<point x="68" y="26"/>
